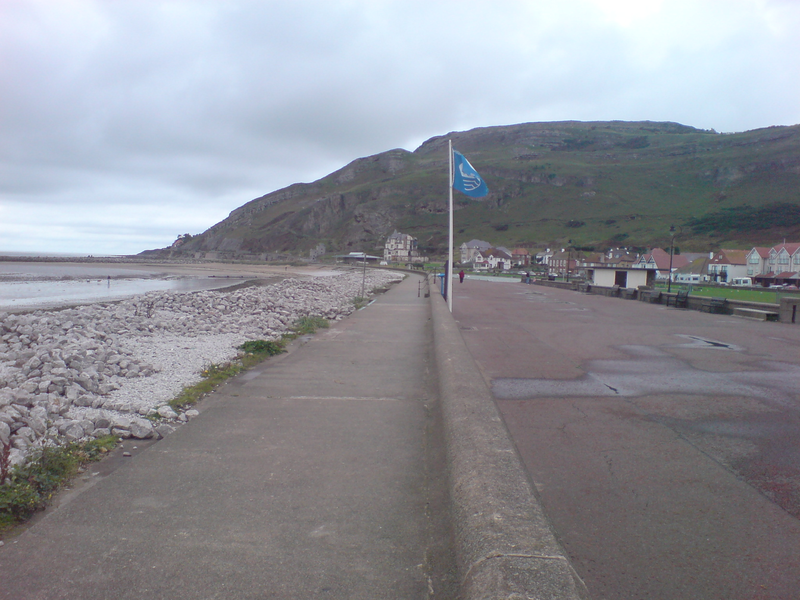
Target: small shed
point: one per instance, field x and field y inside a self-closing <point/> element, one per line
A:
<point x="622" y="277"/>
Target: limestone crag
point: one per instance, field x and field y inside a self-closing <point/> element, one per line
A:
<point x="102" y="369"/>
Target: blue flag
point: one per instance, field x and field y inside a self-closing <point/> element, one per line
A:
<point x="466" y="179"/>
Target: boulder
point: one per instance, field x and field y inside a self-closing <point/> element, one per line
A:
<point x="5" y="433"/>
<point x="74" y="431"/>
<point x="166" y="412"/>
<point x="141" y="428"/>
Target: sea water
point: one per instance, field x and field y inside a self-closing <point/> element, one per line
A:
<point x="48" y="285"/>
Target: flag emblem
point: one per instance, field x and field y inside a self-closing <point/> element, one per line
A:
<point x="466" y="179"/>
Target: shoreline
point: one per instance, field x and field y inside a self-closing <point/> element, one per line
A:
<point x="71" y="283"/>
<point x="111" y="368"/>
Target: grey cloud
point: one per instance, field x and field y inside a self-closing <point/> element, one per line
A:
<point x="208" y="103"/>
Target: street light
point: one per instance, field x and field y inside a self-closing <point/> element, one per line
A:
<point x="671" y="252"/>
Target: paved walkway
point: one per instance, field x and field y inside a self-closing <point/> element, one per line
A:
<point x="317" y="475"/>
<point x="664" y="443"/>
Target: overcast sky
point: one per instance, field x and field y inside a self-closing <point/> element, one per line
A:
<point x="124" y="123"/>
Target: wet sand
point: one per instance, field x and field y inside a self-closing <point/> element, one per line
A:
<point x="29" y="285"/>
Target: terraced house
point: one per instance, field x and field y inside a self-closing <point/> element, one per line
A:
<point x="779" y="265"/>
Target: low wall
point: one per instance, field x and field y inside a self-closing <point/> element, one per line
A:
<point x="788" y="310"/>
<point x="504" y="545"/>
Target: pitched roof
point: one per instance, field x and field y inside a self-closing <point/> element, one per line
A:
<point x="697" y="267"/>
<point x="480" y="244"/>
<point x="761" y="250"/>
<point x="496" y="252"/>
<point x="790" y="248"/>
<point x="730" y="257"/>
<point x="661" y="258"/>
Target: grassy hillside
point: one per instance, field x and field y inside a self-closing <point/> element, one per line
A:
<point x="597" y="184"/>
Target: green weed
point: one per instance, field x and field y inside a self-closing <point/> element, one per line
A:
<point x="253" y="352"/>
<point x="267" y="347"/>
<point x="213" y="376"/>
<point x="30" y="486"/>
<point x="309" y="324"/>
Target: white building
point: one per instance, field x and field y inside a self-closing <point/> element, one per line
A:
<point x="402" y="248"/>
<point x="624" y="278"/>
<point x="725" y="265"/>
<point x="492" y="258"/>
<point x="471" y="248"/>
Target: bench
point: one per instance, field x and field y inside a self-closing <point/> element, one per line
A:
<point x="614" y="291"/>
<point x="715" y="305"/>
<point x="651" y="296"/>
<point x="679" y="300"/>
<point x="628" y="293"/>
<point x="584" y="288"/>
<point x="754" y="313"/>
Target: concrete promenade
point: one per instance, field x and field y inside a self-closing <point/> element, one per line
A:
<point x="663" y="442"/>
<point x="370" y="462"/>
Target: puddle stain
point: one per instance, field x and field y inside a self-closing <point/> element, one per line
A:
<point x="653" y="371"/>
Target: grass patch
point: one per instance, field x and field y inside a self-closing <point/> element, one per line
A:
<point x="29" y="487"/>
<point x="213" y="376"/>
<point x="263" y="347"/>
<point x="309" y="325"/>
<point x="253" y="352"/>
<point x="746" y="295"/>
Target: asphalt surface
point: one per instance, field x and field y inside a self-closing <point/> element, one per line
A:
<point x="664" y="444"/>
<point x="316" y="475"/>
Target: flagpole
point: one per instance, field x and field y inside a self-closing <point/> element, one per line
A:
<point x="449" y="271"/>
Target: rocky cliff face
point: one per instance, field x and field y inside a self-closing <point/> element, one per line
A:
<point x="623" y="181"/>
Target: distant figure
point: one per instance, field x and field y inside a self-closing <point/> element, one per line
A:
<point x="461" y="276"/>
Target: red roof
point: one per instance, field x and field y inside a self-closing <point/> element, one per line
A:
<point x="661" y="257"/>
<point x="790" y="248"/>
<point x="762" y="251"/>
<point x="730" y="257"/>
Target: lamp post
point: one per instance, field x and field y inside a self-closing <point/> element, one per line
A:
<point x="671" y="252"/>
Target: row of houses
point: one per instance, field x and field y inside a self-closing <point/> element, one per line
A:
<point x="483" y="256"/>
<point x="778" y="265"/>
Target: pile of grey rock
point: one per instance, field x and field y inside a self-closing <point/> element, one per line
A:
<point x="100" y="369"/>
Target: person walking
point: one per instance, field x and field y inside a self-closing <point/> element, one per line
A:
<point x="461" y="276"/>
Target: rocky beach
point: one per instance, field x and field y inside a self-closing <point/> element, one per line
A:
<point x="111" y="368"/>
